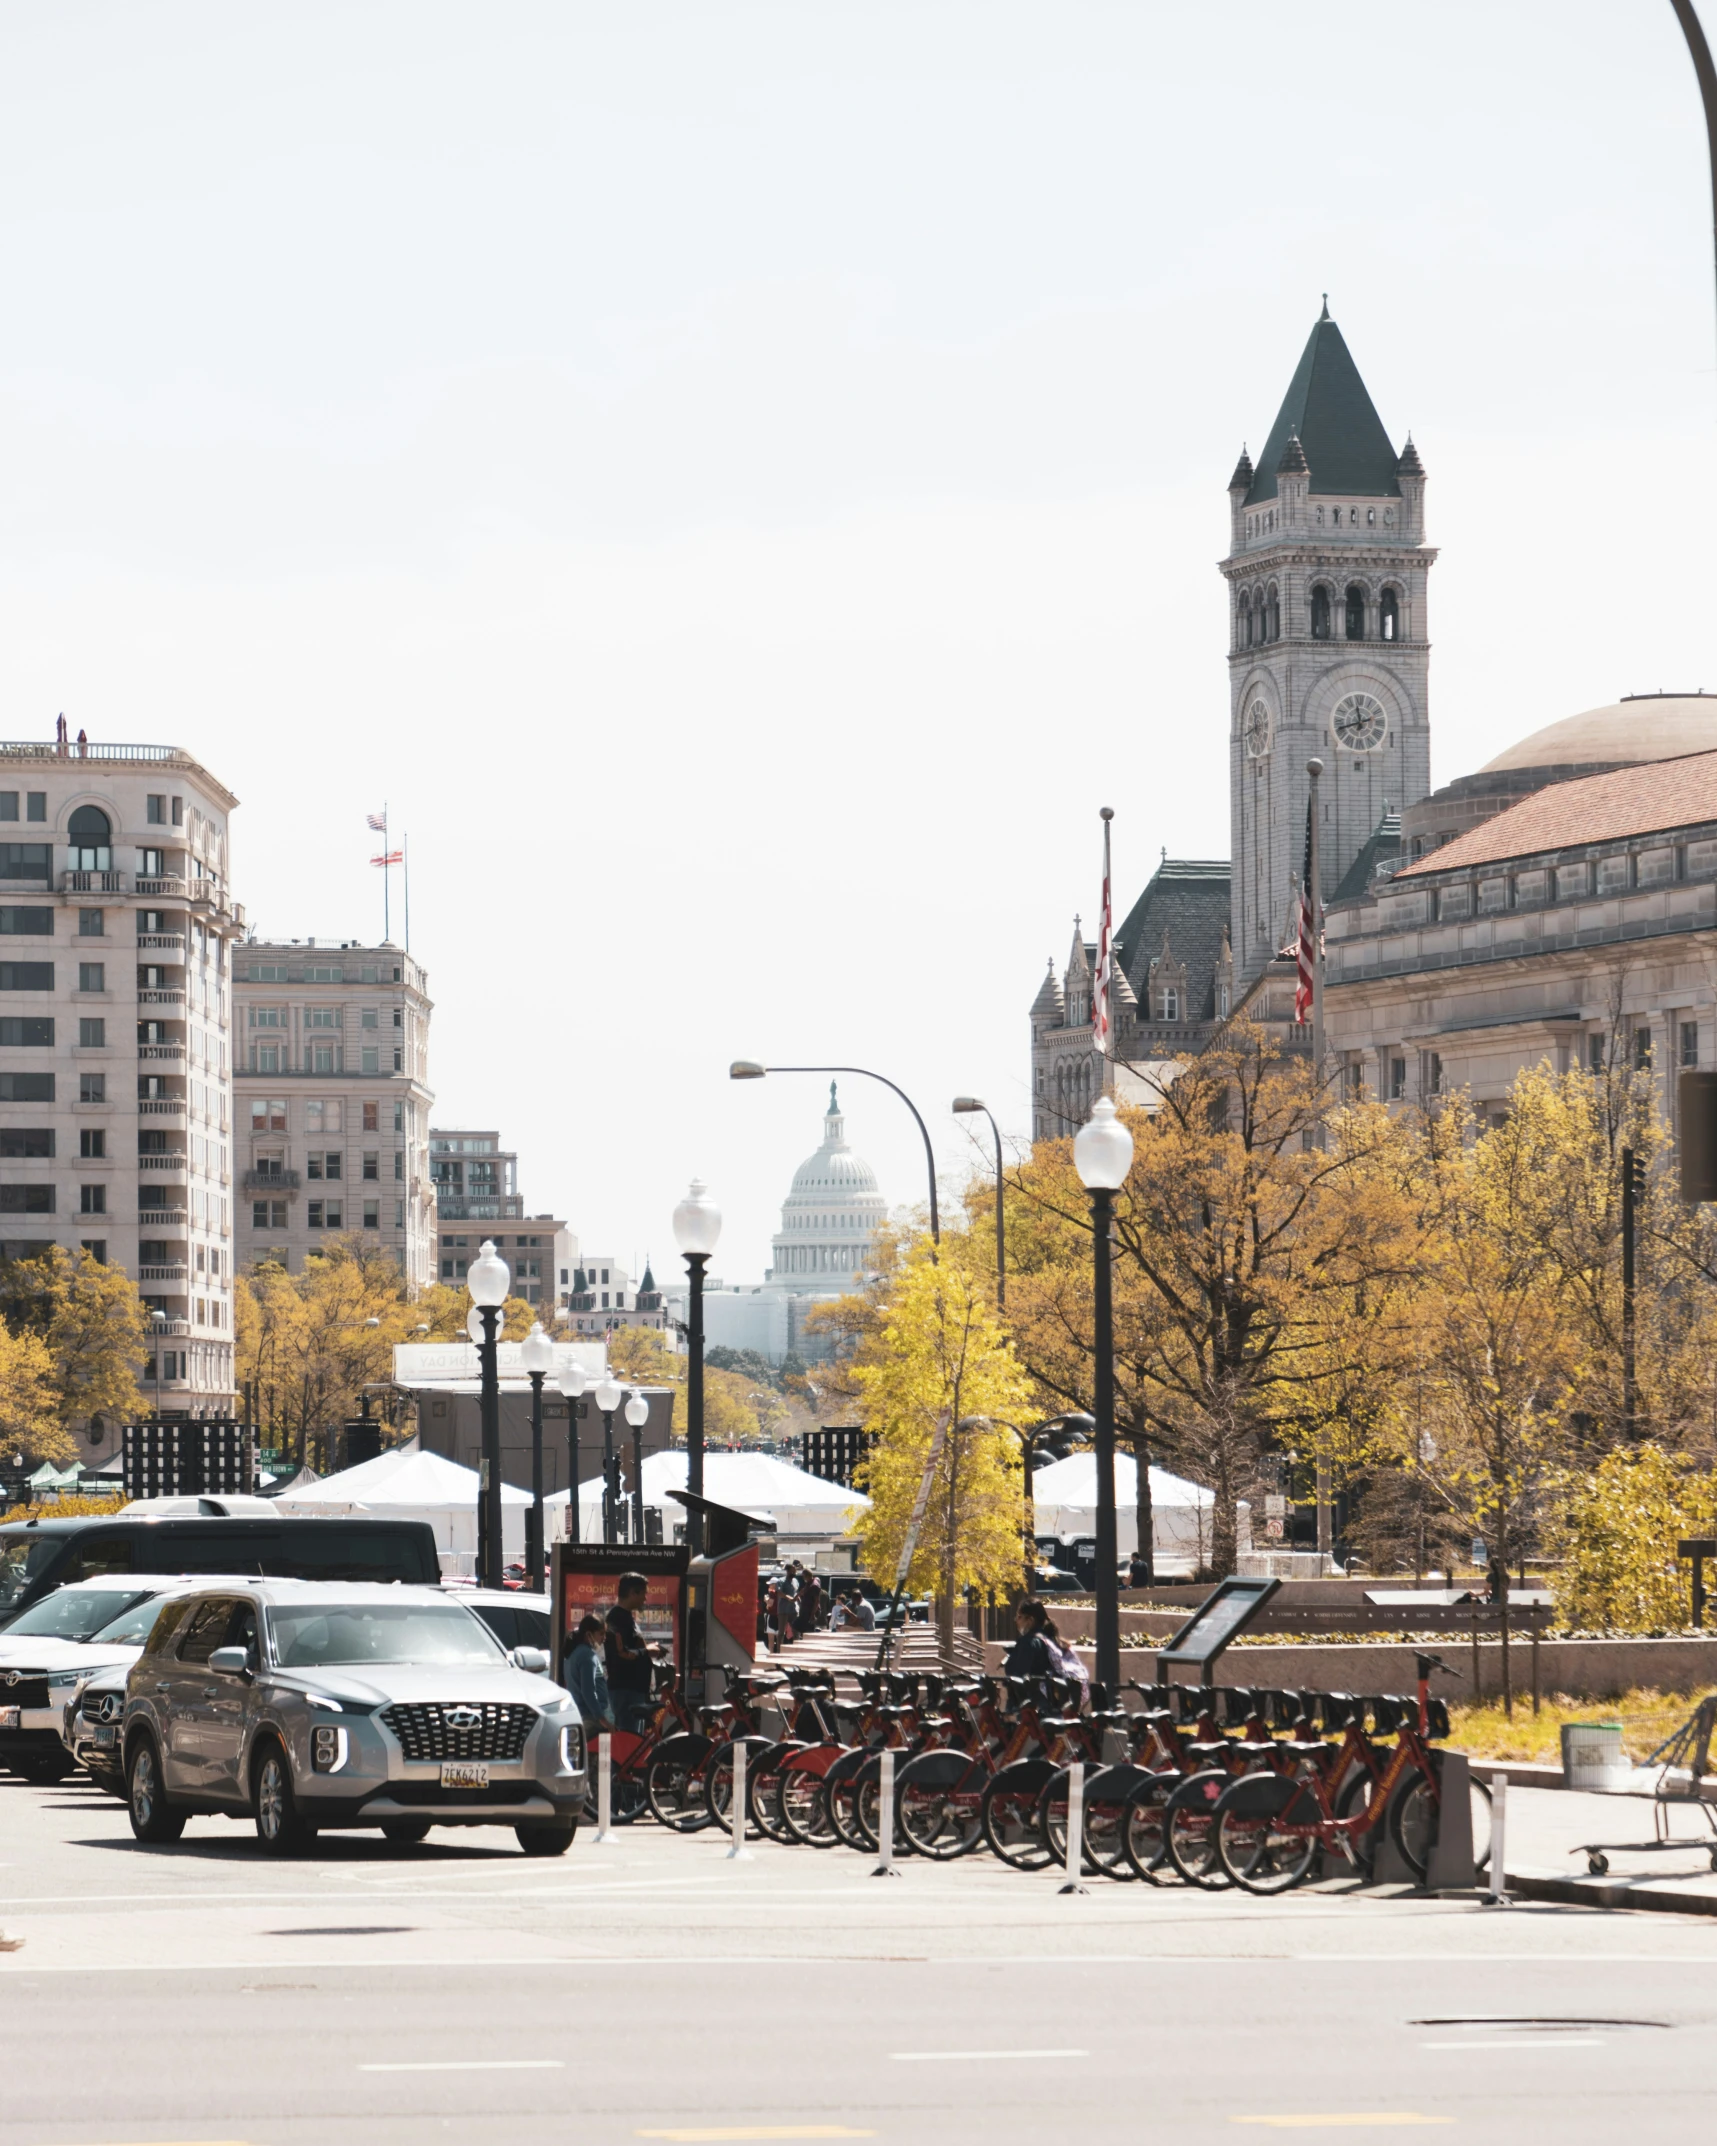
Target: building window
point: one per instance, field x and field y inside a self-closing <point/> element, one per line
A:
<point x="398" y="1059"/>
<point x="372" y="1214"/>
<point x="1389" y="617"/>
<point x="8" y="804"/>
<point x="371" y="1059"/>
<point x="1642" y="1050"/>
<point x="399" y="1214"/>
<point x="1433" y="1073"/>
<point x="268" y="1057"/>
<point x="1690" y="1043"/>
<point x="399" y="1166"/>
<point x="1354" y="607"/>
<point x="92" y="1033"/>
<point x="1397" y="1079"/>
<point x="267" y="1117"/>
<point x="92" y="1199"/>
<point x="372" y="1166"/>
<point x="92" y="1087"/>
<point x="26" y="976"/>
<point x="1595" y="1053"/>
<point x="370" y="1017"/>
<point x="322" y="1058"/>
<point x="96" y="1247"/>
<point x="27" y="1143"/>
<point x="155" y="811"/>
<point x="268" y="1214"/>
<point x="1171" y="1005"/>
<point x="268" y="1017"/>
<point x="92" y="1143"/>
<point x="321" y="1017"/>
<point x="36" y="808"/>
<point x="91" y="837"/>
<point x="26" y="1199"/>
<point x="92" y="923"/>
<point x="1320" y="613"/>
<point x="92" y="975"/>
<point x="27" y="860"/>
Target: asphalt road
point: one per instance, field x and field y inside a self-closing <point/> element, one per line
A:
<point x="655" y="1989"/>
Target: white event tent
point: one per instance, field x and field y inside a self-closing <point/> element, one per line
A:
<point x="806" y="1510"/>
<point x="405" y="1483"/>
<point x="1065" y="1496"/>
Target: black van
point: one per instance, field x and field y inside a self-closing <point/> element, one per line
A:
<point x="36" y="1556"/>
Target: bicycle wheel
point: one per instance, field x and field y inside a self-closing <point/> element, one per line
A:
<point x="805" y="1809"/>
<point x="1143" y="1838"/>
<point x="1413" y="1825"/>
<point x="718" y="1785"/>
<point x="867" y="1813"/>
<point x="1106" y="1794"/>
<point x="1356" y="1795"/>
<point x="674" y="1787"/>
<point x="630" y="1802"/>
<point x="1190" y="1831"/>
<point x="840" y="1801"/>
<point x="1008" y="1817"/>
<point x="1050" y="1818"/>
<point x="1262" y="1855"/>
<point x="763" y="1799"/>
<point x="942" y="1818"/>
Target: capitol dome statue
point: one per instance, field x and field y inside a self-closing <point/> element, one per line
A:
<point x="829" y="1219"/>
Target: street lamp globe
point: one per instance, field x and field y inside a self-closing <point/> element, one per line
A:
<point x="536" y="1351"/>
<point x="488" y="1279"/>
<point x="1103" y="1149"/>
<point x="697" y="1222"/>
<point x="608" y="1393"/>
<point x="746" y="1069"/>
<point x="572" y="1380"/>
<point x="637" y="1410"/>
<point x="474" y="1325"/>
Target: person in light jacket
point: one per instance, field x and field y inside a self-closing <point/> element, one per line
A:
<point x="587" y="1674"/>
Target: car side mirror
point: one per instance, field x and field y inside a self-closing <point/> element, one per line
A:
<point x="230" y="1661"/>
<point x="532" y="1659"/>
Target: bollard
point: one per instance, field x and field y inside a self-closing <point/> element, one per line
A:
<point x="1498" y="1896"/>
<point x="739" y="1852"/>
<point x="1075" y="1826"/>
<point x="604" y="1791"/>
<point x="885" y="1819"/>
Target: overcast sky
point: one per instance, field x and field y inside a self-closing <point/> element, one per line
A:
<point x="743" y="482"/>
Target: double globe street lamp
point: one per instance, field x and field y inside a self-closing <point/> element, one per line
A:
<point x="536" y="1353"/>
<point x="1103" y="1154"/>
<point x="637" y="1415"/>
<point x="608" y="1396"/>
<point x="697" y="1231"/>
<point x="488" y="1281"/>
<point x="572" y="1381"/>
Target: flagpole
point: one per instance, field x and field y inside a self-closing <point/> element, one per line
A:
<point x="387" y="880"/>
<point x="1106" y="963"/>
<point x="405" y="874"/>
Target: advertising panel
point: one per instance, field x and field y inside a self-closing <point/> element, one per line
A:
<point x="585" y="1577"/>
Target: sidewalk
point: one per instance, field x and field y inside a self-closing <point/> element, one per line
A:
<point x="1548" y="1830"/>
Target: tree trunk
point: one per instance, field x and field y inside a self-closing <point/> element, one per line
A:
<point x="1142" y="1474"/>
<point x="945" y="1594"/>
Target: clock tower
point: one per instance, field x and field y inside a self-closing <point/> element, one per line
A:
<point x="1328" y="646"/>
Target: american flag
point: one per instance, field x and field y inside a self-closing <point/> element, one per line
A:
<point x="394" y="856"/>
<point x="1105" y="964"/>
<point x="379" y="821"/>
<point x="1305" y="951"/>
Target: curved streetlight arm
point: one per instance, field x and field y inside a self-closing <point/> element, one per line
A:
<point x="865" y="1073"/>
<point x="1706" y="71"/>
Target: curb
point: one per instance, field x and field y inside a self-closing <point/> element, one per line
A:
<point x="1608" y="1893"/>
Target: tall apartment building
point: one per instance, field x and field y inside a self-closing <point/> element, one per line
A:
<point x="331" y="1090"/>
<point x="477" y="1196"/>
<point x="115" y="1077"/>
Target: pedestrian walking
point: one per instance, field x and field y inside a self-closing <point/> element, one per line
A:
<point x="1031" y="1654"/>
<point x="587" y="1673"/>
<point x="631" y="1679"/>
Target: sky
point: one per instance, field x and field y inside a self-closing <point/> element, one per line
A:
<point x="742" y="483"/>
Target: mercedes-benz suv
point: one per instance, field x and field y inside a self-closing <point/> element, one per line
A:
<point x="309" y="1705"/>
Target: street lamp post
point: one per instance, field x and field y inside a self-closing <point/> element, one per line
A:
<point x="697" y="1231"/>
<point x="637" y="1415"/>
<point x="488" y="1281"/>
<point x="157" y="1321"/>
<point x="607" y="1398"/>
<point x="749" y="1069"/>
<point x="572" y="1382"/>
<point x="964" y="1106"/>
<point x="1103" y="1154"/>
<point x="537" y="1355"/>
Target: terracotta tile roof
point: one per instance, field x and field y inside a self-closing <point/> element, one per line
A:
<point x="1593" y="808"/>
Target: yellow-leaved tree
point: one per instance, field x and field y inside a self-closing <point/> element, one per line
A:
<point x="941" y="1358"/>
<point x="93" y="1331"/>
<point x="1618" y="1530"/>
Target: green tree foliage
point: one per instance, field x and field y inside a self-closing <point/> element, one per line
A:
<point x="1618" y="1531"/>
<point x="93" y="1336"/>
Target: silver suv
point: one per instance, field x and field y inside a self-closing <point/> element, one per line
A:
<point x="312" y="1704"/>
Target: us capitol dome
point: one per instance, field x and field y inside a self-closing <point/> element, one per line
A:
<point x="829" y="1219"/>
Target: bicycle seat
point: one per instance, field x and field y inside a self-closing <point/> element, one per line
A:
<point x="1437" y="1723"/>
<point x="1209" y="1753"/>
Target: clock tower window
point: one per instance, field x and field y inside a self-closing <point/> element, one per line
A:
<point x="1355" y="612"/>
<point x="1389" y="617"/>
<point x="1320" y="613"/>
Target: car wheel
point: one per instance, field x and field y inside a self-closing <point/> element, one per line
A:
<point x="546" y="1840"/>
<point x="153" y="1818"/>
<point x="279" y="1827"/>
<point x="406" y="1832"/>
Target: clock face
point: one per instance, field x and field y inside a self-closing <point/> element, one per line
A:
<point x="1359" y="723"/>
<point x="1257" y="730"/>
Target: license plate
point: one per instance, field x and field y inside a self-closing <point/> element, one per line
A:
<point x="104" y="1735"/>
<point x="11" y="1717"/>
<point x="464" y="1776"/>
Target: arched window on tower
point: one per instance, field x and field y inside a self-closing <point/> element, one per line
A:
<point x="91" y="837"/>
<point x="1389" y="617"/>
<point x="1273" y="614"/>
<point x="1355" y="612"/>
<point x="1320" y="613"/>
<point x="1243" y="629"/>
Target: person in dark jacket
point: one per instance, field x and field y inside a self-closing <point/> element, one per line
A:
<point x="1031" y="1654"/>
<point x="587" y="1675"/>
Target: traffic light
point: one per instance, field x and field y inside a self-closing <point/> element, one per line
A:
<point x="1696" y="1143"/>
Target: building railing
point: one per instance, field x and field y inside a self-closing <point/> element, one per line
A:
<point x="31" y="749"/>
<point x="160" y="1050"/>
<point x="156" y="997"/>
<point x="169" y="1163"/>
<point x="270" y="1181"/>
<point x="174" y="889"/>
<point x="163" y="1106"/>
<point x="163" y="942"/>
<point x="163" y="1274"/>
<point x="165" y="1217"/>
<point x="92" y="882"/>
<point x="170" y="1327"/>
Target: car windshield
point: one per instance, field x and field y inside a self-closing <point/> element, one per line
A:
<point x="133" y="1627"/>
<point x="74" y="1612"/>
<point x="349" y="1634"/>
<point x="21" y="1560"/>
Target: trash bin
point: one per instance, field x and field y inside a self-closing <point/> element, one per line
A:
<point x="1592" y="1755"/>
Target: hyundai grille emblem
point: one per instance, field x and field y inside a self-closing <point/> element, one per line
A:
<point x="461" y="1718"/>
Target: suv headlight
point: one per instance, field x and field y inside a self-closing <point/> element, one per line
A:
<point x="329" y="1749"/>
<point x="572" y="1748"/>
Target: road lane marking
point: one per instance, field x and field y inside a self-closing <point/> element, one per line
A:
<point x="976" y="2056"/>
<point x="759" y="2131"/>
<point x="476" y="2064"/>
<point x="1353" y="2121"/>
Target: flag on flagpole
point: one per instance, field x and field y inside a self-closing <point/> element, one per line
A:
<point x="379" y="821"/>
<point x="393" y="856"/>
<point x="1103" y="990"/>
<point x="1305" y="949"/>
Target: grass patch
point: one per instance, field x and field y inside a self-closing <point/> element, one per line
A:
<point x="1485" y="1732"/>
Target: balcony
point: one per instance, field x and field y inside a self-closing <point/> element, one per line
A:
<point x="170" y="1164"/>
<point x="154" y="997"/>
<point x="163" y="1106"/>
<point x="169" y="1329"/>
<point x="270" y="1181"/>
<point x="162" y="942"/>
<point x="92" y="882"/>
<point x="167" y="1051"/>
<point x="172" y="889"/>
<point x="163" y="1218"/>
<point x="163" y="1274"/>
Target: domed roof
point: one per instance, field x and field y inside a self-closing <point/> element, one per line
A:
<point x="834" y="1168"/>
<point x="1645" y="726"/>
